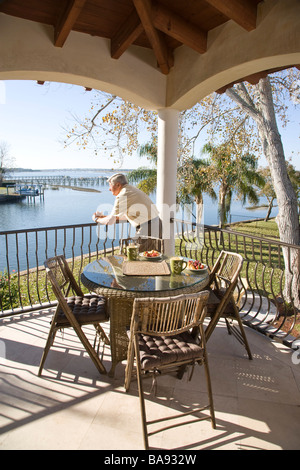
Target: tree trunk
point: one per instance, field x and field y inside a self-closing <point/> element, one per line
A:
<point x="199" y="215"/>
<point x="199" y="209"/>
<point x="287" y="219"/>
<point x="222" y="205"/>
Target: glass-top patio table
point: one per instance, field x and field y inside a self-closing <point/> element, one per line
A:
<point x="106" y="277"/>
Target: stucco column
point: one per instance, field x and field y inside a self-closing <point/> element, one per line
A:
<point x="167" y="173"/>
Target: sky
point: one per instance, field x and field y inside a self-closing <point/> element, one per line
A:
<point x="33" y="119"/>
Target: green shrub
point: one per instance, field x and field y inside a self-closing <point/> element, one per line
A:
<point x="9" y="291"/>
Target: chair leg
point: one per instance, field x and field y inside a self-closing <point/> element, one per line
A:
<point x="129" y="366"/>
<point x="141" y="393"/>
<point x="49" y="342"/>
<point x="207" y="376"/>
<point x="90" y="350"/>
<point x="102" y="334"/>
<point x="210" y="395"/>
<point x="212" y="325"/>
<point x="86" y="344"/>
<point x="242" y="334"/>
<point x="101" y="337"/>
<point x="236" y="316"/>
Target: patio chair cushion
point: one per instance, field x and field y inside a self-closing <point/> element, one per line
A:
<point x="87" y="309"/>
<point x="164" y="350"/>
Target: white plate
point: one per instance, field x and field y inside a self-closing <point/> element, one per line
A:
<point x="197" y="271"/>
<point x="150" y="257"/>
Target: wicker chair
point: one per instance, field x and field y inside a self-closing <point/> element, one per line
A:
<point x="221" y="303"/>
<point x="161" y="342"/>
<point x="74" y="310"/>
<point x="145" y="244"/>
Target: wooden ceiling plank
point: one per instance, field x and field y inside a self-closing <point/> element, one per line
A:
<point x="126" y="35"/>
<point x="175" y="26"/>
<point x="143" y="8"/>
<point x="243" y="12"/>
<point x="67" y="21"/>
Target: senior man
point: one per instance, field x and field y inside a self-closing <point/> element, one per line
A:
<point x="133" y="205"/>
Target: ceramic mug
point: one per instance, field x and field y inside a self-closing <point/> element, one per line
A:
<point x="177" y="265"/>
<point x="132" y="252"/>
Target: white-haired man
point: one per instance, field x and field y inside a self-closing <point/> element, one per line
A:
<point x="133" y="205"/>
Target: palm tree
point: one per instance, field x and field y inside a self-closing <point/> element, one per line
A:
<point x="146" y="177"/>
<point x="194" y="181"/>
<point x="234" y="174"/>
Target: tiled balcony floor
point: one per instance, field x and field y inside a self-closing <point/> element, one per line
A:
<point x="73" y="407"/>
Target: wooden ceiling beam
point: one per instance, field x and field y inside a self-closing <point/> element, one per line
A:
<point x="144" y="10"/>
<point x="254" y="78"/>
<point x="126" y="35"/>
<point x="67" y="21"/>
<point x="178" y="28"/>
<point x="243" y="12"/>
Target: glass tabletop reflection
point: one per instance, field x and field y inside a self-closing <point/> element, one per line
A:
<point x="108" y="273"/>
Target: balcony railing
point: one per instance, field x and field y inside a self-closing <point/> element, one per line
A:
<point x="266" y="291"/>
<point x="265" y="302"/>
<point x="23" y="284"/>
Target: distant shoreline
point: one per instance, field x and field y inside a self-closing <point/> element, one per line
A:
<point x="30" y="170"/>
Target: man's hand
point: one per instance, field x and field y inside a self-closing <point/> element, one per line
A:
<point x="97" y="215"/>
<point x="99" y="218"/>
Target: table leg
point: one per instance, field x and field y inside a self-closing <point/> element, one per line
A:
<point x="120" y="311"/>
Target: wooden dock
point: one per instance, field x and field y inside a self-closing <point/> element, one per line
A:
<point x="15" y="193"/>
<point x="11" y="198"/>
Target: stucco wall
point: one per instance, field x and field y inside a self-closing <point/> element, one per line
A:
<point x="27" y="52"/>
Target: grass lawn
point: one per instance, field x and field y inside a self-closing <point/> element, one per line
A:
<point x="258" y="228"/>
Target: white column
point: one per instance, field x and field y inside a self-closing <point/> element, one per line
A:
<point x="167" y="148"/>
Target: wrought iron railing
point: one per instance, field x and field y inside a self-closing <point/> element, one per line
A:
<point x="268" y="291"/>
<point x="23" y="285"/>
<point x="265" y="302"/>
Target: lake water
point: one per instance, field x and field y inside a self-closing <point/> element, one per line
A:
<point x="61" y="206"/>
<point x="65" y="206"/>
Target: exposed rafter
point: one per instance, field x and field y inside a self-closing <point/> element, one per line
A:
<point x="176" y="27"/>
<point x="157" y="41"/>
<point x="243" y="12"/>
<point x="67" y="20"/>
<point x="161" y="25"/>
<point x="254" y="78"/>
<point x="126" y="35"/>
